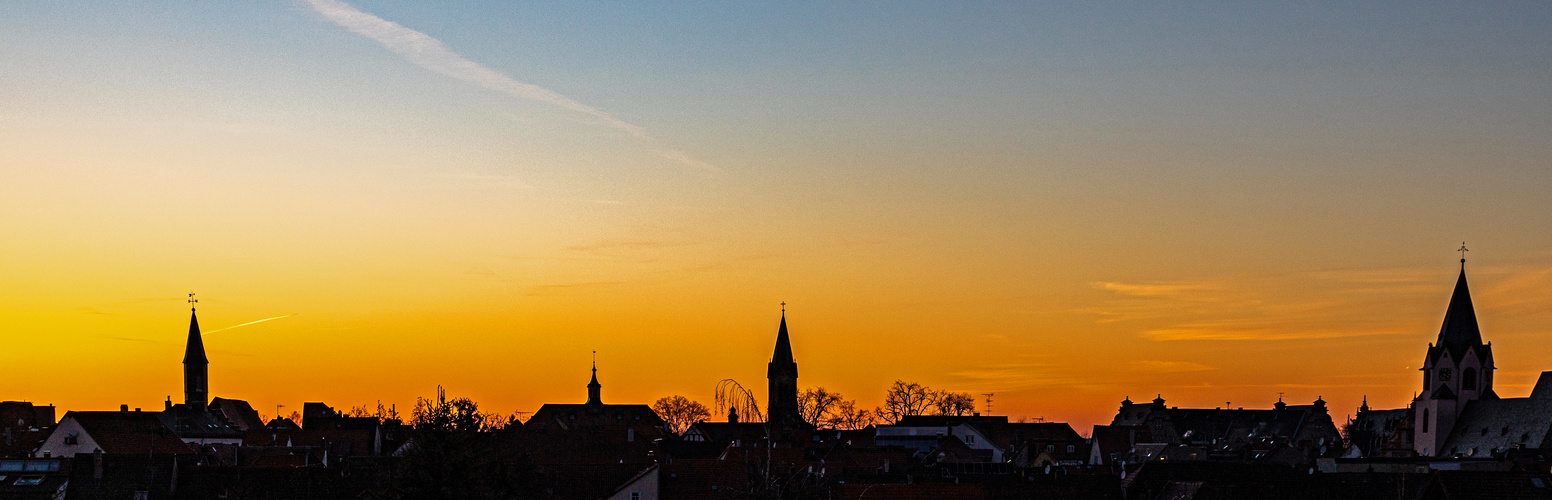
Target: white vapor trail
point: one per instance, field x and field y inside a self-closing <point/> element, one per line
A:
<point x="429" y="53"/>
<point x="249" y="323"/>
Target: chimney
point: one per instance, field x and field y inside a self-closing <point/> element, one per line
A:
<point x="168" y="404"/>
<point x="124" y="408"/>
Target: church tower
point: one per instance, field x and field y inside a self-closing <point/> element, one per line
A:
<point x="196" y="368"/>
<point x="594" y="389"/>
<point x="1457" y="370"/>
<point x="782" y="373"/>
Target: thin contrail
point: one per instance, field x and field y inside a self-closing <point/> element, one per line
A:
<point x="429" y="53"/>
<point x="249" y="323"/>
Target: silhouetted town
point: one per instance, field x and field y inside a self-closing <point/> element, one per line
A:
<point x="1457" y="439"/>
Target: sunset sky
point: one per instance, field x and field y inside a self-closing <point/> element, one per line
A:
<point x="1063" y="204"/>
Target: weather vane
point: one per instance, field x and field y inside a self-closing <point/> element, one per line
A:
<point x="192" y="301"/>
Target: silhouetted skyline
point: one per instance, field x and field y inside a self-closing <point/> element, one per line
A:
<point x="1058" y="205"/>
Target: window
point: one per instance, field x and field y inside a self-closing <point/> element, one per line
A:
<point x="42" y="466"/>
<point x="1050" y="448"/>
<point x="635" y="496"/>
<point x="1468" y="379"/>
<point x="1427" y="379"/>
<point x="630" y="435"/>
<point x="969" y="439"/>
<point x="1425" y="421"/>
<point x="28" y="481"/>
<point x="1071" y="448"/>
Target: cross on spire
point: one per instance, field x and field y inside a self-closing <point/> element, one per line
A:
<point x="192" y="301"/>
<point x="1463" y="251"/>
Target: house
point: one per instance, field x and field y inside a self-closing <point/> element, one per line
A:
<point x="686" y="479"/>
<point x="1110" y="444"/>
<point x="34" y="478"/>
<point x="1237" y="433"/>
<point x="925" y="433"/>
<point x="114" y="432"/>
<point x="587" y="449"/>
<point x="23" y="426"/>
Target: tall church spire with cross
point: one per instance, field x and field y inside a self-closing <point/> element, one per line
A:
<point x="782" y="374"/>
<point x="1458" y="369"/>
<point x="196" y="367"/>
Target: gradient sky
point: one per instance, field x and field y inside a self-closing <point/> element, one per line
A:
<point x="1061" y="204"/>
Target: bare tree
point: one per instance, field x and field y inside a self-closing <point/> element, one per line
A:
<point x="460" y="414"/>
<point x="905" y="399"/>
<point x="849" y="417"/>
<point x="955" y="403"/>
<point x="731" y="395"/>
<point x="680" y="412"/>
<point x="817" y="405"/>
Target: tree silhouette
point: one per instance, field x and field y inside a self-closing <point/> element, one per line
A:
<point x="732" y="395"/>
<point x="680" y="412"/>
<point x="849" y="417"/>
<point x="817" y="406"/>
<point x="955" y="403"/>
<point x="905" y="399"/>
<point x="452" y="453"/>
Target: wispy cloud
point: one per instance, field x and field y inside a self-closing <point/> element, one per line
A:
<point x="1278" y="307"/>
<point x="576" y="285"/>
<point x="616" y="245"/>
<point x="429" y="53"/>
<point x="1171" y="366"/>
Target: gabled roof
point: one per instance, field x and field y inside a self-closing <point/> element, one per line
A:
<point x="195" y="423"/>
<point x="1119" y="438"/>
<point x="194" y="352"/>
<point x="1504" y="423"/>
<point x="237" y="412"/>
<point x="593" y="416"/>
<point x="128" y="432"/>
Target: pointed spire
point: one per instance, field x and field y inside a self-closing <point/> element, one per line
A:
<point x="1459" y="330"/>
<point x="783" y="354"/>
<point x="194" y="352"/>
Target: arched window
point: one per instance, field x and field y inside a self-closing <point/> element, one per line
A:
<point x="1427" y="379"/>
<point x="1468" y="379"/>
<point x="1425" y="420"/>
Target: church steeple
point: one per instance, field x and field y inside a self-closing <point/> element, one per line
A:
<point x="1460" y="320"/>
<point x="196" y="389"/>
<point x="1458" y="369"/>
<point x="782" y="374"/>
<point x="594" y="389"/>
